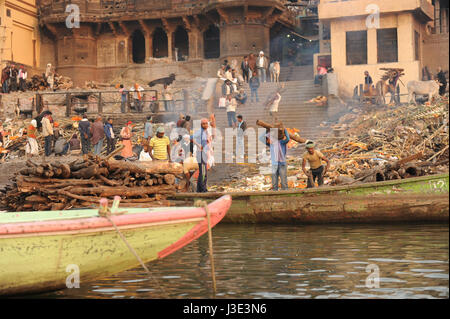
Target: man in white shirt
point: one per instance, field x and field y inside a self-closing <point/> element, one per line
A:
<point x="231" y="105"/>
<point x="22" y="78"/>
<point x="261" y="65"/>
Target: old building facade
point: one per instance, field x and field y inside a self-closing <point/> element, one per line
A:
<point x="368" y="35"/>
<point x="149" y="38"/>
<point x="19" y="33"/>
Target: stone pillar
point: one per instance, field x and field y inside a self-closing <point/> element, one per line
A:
<point x="194" y="45"/>
<point x="170" y="44"/>
<point x="149" y="47"/>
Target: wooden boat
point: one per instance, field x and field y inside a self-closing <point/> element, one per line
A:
<point x="39" y="250"/>
<point x="418" y="199"/>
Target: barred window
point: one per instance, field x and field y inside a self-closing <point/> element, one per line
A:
<point x="387" y="45"/>
<point x="356" y="47"/>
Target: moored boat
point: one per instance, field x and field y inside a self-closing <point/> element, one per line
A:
<point x="418" y="199"/>
<point x="39" y="250"/>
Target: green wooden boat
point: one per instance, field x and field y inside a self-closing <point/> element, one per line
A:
<point x="418" y="199"/>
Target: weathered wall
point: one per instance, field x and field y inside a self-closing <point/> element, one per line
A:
<point x="435" y="51"/>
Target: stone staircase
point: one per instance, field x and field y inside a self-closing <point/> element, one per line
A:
<point x="296" y="73"/>
<point x="294" y="109"/>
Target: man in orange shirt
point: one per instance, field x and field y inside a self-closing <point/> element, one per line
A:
<point x="32" y="147"/>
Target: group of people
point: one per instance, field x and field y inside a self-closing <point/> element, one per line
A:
<point x="54" y="141"/>
<point x="13" y="79"/>
<point x="137" y="98"/>
<point x="192" y="149"/>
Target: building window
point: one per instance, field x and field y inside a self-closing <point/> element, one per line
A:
<point x="387" y="45"/>
<point x="8" y="12"/>
<point x="416" y="45"/>
<point x="356" y="47"/>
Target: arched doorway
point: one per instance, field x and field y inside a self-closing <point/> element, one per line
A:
<point x="181" y="45"/>
<point x="138" y="41"/>
<point x="160" y="44"/>
<point x="211" y="40"/>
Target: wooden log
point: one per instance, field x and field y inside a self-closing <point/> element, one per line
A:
<point x="87" y="172"/>
<point x="106" y="191"/>
<point x="65" y="171"/>
<point x="169" y="179"/>
<point x="36" y="199"/>
<point x="153" y="167"/>
<point x="108" y="181"/>
<point x="269" y="126"/>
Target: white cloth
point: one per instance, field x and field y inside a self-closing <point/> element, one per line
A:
<point x="274" y="106"/>
<point x="231" y="105"/>
<point x="261" y="62"/>
<point x="32" y="147"/>
<point x="144" y="156"/>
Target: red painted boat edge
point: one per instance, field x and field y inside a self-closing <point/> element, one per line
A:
<point x="100" y="222"/>
<point x="217" y="209"/>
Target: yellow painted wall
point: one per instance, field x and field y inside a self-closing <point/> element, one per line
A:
<point x="350" y="76"/>
<point x="19" y="33"/>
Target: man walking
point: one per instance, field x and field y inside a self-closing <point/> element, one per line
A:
<point x="242" y="126"/>
<point x="278" y="156"/>
<point x="137" y="97"/>
<point x="442" y="81"/>
<point x="202" y="139"/>
<point x="273" y="104"/>
<point x="261" y="65"/>
<point x="317" y="170"/>
<point x="22" y="78"/>
<point x="254" y="85"/>
<point x="231" y="105"/>
<point x="148" y="128"/>
<point x="13" y="78"/>
<point x="47" y="132"/>
<point x="85" y="128"/>
<point x="5" y="79"/>
<point x="123" y="98"/>
<point x="98" y="133"/>
<point x="160" y="146"/>
<point x="245" y="68"/>
<point x="110" y="138"/>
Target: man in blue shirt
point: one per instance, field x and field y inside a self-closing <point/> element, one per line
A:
<point x="277" y="156"/>
<point x="202" y="139"/>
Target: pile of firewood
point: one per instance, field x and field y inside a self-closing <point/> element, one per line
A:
<point x="82" y="183"/>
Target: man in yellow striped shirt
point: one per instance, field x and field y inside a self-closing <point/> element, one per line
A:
<point x="160" y="146"/>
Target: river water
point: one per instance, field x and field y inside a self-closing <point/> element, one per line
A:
<point x="290" y="261"/>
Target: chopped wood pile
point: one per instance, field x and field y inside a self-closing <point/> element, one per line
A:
<point x="390" y="73"/>
<point x="83" y="182"/>
<point x="39" y="83"/>
<point x="376" y="141"/>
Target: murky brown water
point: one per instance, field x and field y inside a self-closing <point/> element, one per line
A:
<point x="293" y="262"/>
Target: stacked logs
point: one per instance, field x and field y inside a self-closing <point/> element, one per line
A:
<point x="82" y="183"/>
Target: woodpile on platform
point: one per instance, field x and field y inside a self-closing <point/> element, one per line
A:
<point x="373" y="143"/>
<point x="83" y="182"/>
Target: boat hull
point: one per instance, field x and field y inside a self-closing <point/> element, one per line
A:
<point x="50" y="259"/>
<point x="421" y="199"/>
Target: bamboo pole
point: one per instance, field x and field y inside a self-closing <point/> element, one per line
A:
<point x="204" y="204"/>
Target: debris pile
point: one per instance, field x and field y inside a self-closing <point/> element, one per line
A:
<point x="83" y="182"/>
<point x="387" y="144"/>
